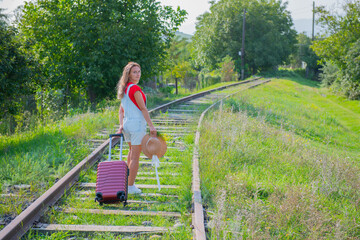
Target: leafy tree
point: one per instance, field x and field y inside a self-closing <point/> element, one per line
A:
<point x="16" y="71"/>
<point x="269" y="38"/>
<point x="340" y="47"/>
<point x="183" y="71"/>
<point x="85" y="44"/>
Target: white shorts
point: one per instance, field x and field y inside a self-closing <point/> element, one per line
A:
<point x="134" y="131"/>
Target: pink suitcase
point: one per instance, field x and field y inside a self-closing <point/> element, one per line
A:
<point x="112" y="178"/>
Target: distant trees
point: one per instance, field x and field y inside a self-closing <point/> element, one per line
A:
<point x="305" y="54"/>
<point x="182" y="67"/>
<point x="269" y="38"/>
<point x="340" y="49"/>
<point x="178" y="63"/>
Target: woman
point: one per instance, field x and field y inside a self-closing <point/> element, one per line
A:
<point x="133" y="116"/>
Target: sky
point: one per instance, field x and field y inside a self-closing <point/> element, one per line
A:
<point x="300" y="9"/>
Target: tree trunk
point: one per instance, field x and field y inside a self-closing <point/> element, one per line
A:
<point x="92" y="98"/>
<point x="176" y="86"/>
<point x="67" y="98"/>
<point x="307" y="72"/>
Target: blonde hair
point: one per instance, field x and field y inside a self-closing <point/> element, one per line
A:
<point x="124" y="80"/>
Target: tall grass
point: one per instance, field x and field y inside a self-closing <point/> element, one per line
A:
<point x="39" y="157"/>
<point x="278" y="163"/>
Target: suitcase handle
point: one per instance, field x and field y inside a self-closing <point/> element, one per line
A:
<point x="116" y="135"/>
<point x="121" y="144"/>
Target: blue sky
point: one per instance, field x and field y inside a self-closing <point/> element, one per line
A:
<point x="300" y="9"/>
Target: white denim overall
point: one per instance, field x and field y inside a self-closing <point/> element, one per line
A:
<point x="134" y="124"/>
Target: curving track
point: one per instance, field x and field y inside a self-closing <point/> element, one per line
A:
<point x="153" y="212"/>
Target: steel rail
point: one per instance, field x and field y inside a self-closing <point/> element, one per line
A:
<point x="23" y="222"/>
<point x="197" y="95"/>
<point x="198" y="223"/>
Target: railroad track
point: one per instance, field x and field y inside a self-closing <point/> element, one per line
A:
<point x="176" y="212"/>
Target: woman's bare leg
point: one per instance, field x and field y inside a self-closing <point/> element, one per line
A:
<point x="128" y="156"/>
<point x="133" y="164"/>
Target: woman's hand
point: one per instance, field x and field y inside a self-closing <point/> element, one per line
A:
<point x="120" y="129"/>
<point x="152" y="131"/>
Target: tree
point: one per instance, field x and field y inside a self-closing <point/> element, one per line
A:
<point x="340" y="47"/>
<point x="85" y="44"/>
<point x="16" y="71"/>
<point x="269" y="38"/>
<point x="183" y="71"/>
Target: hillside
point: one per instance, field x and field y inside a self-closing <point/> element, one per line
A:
<point x="183" y="35"/>
<point x="282" y="161"/>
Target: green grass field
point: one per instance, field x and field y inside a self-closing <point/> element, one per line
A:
<point x="282" y="161"/>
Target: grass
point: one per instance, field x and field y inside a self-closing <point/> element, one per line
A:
<point x="281" y="161"/>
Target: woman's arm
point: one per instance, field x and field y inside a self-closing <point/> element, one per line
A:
<point x="140" y="102"/>
<point x="121" y="118"/>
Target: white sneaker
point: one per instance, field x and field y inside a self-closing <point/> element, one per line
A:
<point x="133" y="190"/>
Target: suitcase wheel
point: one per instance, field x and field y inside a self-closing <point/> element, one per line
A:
<point x="99" y="197"/>
<point x="121" y="196"/>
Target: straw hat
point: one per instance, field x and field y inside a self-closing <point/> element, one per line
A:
<point x="153" y="146"/>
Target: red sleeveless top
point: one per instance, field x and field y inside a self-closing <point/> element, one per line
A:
<point x="132" y="92"/>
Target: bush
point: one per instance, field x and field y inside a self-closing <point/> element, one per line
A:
<point x="166" y="89"/>
<point x="227" y="68"/>
<point x="281" y="72"/>
<point x="207" y="78"/>
<point x="329" y="75"/>
<point x="341" y="82"/>
<point x="50" y="103"/>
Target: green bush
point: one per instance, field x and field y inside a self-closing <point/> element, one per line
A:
<point x="227" y="68"/>
<point x="281" y="72"/>
<point x="329" y="75"/>
<point x="166" y="90"/>
<point x="207" y="78"/>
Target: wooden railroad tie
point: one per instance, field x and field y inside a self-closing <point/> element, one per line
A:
<point x="171" y="163"/>
<point x="146" y="178"/>
<point x="129" y="201"/>
<point x="122" y="212"/>
<point x="145" y="186"/>
<point x="41" y="227"/>
<point x="182" y="110"/>
<point x="88" y="193"/>
<point x="174" y="127"/>
<point x="160" y="174"/>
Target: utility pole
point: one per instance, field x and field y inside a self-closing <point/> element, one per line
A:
<point x="313" y="22"/>
<point x="243" y="47"/>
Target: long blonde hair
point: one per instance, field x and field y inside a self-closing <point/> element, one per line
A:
<point x="124" y="80"/>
